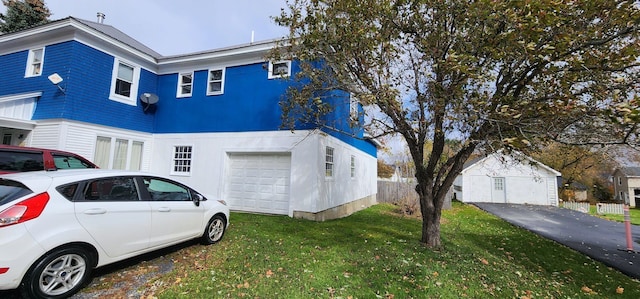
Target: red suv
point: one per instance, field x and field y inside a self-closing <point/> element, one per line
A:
<point x="21" y="159"/>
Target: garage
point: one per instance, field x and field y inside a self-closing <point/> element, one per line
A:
<point x="259" y="182"/>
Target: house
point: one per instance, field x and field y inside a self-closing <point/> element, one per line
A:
<point x="507" y="178"/>
<point x="210" y="119"/>
<point x="626" y="185"/>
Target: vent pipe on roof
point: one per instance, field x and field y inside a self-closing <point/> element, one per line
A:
<point x="101" y="17"/>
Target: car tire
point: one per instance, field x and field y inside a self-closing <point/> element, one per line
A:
<point x="59" y="274"/>
<point x="214" y="231"/>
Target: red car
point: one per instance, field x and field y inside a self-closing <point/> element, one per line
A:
<point x="22" y="159"/>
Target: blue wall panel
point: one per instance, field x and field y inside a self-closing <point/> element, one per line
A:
<point x="249" y="103"/>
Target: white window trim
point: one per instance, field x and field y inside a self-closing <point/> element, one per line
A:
<point x="271" y="63"/>
<point x="29" y="69"/>
<point x="212" y="93"/>
<point x="173" y="153"/>
<point x="133" y="98"/>
<point x="327" y="162"/>
<point x="353" y="167"/>
<point x="179" y="93"/>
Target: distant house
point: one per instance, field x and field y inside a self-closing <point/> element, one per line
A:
<point x="210" y="119"/>
<point x="626" y="185"/>
<point x="503" y="178"/>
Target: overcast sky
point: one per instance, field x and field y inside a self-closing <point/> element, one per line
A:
<point x="180" y="26"/>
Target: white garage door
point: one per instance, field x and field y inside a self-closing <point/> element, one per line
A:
<point x="259" y="182"/>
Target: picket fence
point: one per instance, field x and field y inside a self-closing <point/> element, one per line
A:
<point x="601" y="208"/>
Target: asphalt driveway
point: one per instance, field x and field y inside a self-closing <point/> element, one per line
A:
<point x="600" y="239"/>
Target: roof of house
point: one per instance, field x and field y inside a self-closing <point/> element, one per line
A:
<point x="118" y="35"/>
<point x="630" y="171"/>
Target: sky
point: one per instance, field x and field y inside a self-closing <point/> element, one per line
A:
<point x="173" y="27"/>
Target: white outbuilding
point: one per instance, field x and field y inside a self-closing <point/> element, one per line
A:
<point x="507" y="178"/>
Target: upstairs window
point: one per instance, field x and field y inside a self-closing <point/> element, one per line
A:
<point x="185" y="84"/>
<point x="34" y="62"/>
<point x="279" y="69"/>
<point x="216" y="82"/>
<point x="328" y="162"/>
<point x="124" y="82"/>
<point x="182" y="160"/>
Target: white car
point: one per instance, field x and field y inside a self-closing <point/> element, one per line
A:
<point x="57" y="226"/>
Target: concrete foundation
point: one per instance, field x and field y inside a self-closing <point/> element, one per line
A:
<point x="339" y="211"/>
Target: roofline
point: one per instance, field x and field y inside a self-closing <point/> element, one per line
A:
<point x="557" y="173"/>
<point x="255" y="50"/>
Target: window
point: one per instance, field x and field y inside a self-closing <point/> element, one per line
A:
<point x="498" y="184"/>
<point x="124" y="82"/>
<point x="279" y="69"/>
<point x="182" y="160"/>
<point x="185" y="84"/>
<point x="35" y="61"/>
<point x="216" y="82"/>
<point x="6" y="139"/>
<point x="118" y="153"/>
<point x="353" y="166"/>
<point x="69" y="162"/>
<point x="161" y="190"/>
<point x="619" y="180"/>
<point x="328" y="164"/>
<point x="111" y="189"/>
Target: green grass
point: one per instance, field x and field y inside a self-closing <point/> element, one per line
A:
<point x="376" y="253"/>
<point x="634" y="215"/>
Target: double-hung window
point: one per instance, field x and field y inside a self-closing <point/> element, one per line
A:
<point x="35" y="62"/>
<point x="328" y="162"/>
<point x="216" y="82"/>
<point x="353" y="167"/>
<point x="185" y="84"/>
<point x="124" y="82"/>
<point x="279" y="69"/>
<point x="182" y="155"/>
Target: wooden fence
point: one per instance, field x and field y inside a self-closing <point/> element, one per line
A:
<point x="403" y="192"/>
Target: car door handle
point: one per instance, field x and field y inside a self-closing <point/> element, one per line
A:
<point x="164" y="209"/>
<point x="95" y="211"/>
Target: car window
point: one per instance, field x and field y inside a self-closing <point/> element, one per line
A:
<point x="69" y="162"/>
<point x="20" y="161"/>
<point x="111" y="189"/>
<point x="68" y="191"/>
<point x="164" y="190"/>
<point x="11" y="190"/>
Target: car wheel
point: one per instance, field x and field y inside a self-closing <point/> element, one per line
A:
<point x="214" y="230"/>
<point x="58" y="274"/>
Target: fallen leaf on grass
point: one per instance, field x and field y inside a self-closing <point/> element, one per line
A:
<point x="619" y="290"/>
<point x="587" y="289"/>
<point x="484" y="261"/>
<point x="269" y="273"/>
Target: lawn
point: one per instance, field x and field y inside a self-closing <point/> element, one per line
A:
<point x="634" y="215"/>
<point x="375" y="253"/>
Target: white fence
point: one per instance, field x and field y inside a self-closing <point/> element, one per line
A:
<point x="577" y="206"/>
<point x="601" y="208"/>
<point x="610" y="208"/>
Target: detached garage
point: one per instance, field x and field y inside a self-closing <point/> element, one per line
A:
<point x="259" y="182"/>
<point x="502" y="178"/>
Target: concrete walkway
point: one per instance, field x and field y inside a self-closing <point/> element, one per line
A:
<point x="600" y="239"/>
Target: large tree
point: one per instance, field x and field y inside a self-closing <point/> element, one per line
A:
<point x="22" y="14"/>
<point x="487" y="73"/>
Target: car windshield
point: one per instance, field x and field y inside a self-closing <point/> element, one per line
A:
<point x="11" y="190"/>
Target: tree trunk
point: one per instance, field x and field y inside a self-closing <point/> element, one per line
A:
<point x="431" y="213"/>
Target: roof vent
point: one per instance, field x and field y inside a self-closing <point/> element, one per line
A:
<point x="101" y="17"/>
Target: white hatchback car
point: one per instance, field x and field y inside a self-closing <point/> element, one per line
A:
<point x="57" y="226"/>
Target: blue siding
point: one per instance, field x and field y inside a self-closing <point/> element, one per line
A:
<point x="249" y="103"/>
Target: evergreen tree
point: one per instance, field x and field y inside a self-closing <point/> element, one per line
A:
<point x="23" y="14"/>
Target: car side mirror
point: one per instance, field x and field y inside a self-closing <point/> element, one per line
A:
<point x="196" y="199"/>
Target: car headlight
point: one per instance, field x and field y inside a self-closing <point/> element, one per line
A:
<point x="222" y="202"/>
